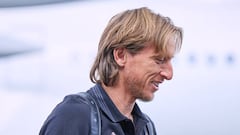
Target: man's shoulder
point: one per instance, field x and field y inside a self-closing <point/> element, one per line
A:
<point x="70" y="116"/>
<point x="72" y="104"/>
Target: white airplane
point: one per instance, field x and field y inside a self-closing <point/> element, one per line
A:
<point x="62" y="36"/>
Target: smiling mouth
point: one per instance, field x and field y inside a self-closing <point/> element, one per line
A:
<point x="156" y="84"/>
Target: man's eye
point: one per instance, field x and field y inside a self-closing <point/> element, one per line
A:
<point x="160" y="61"/>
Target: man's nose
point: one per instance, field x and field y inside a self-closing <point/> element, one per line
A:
<point x="167" y="71"/>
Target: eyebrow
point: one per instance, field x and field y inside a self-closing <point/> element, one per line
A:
<point x="162" y="56"/>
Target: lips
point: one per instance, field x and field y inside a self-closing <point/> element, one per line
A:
<point x="155" y="85"/>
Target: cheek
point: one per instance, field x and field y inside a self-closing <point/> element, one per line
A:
<point x="142" y="67"/>
<point x="149" y="66"/>
<point x="152" y="68"/>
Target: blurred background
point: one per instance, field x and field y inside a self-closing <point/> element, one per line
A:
<point x="47" y="48"/>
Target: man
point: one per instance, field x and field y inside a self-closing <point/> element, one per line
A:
<point x="134" y="57"/>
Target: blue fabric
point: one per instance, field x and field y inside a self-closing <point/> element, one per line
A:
<point x="72" y="117"/>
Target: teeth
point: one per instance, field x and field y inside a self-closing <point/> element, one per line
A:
<point x="156" y="84"/>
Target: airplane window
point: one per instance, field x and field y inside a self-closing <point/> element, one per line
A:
<point x="192" y="58"/>
<point x="230" y="59"/>
<point x="211" y="59"/>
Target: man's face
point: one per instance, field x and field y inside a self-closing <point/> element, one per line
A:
<point x="144" y="72"/>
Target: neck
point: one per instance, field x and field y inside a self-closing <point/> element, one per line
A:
<point x="121" y="99"/>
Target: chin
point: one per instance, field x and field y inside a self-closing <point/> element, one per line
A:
<point x="147" y="98"/>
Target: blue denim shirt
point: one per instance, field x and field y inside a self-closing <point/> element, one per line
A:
<point x="72" y="117"/>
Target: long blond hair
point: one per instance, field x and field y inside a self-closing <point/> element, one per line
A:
<point x="131" y="29"/>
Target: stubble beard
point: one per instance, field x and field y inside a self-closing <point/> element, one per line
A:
<point x="136" y="88"/>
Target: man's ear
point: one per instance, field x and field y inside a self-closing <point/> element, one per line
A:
<point x="119" y="55"/>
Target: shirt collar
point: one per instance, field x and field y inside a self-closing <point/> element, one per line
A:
<point x="107" y="106"/>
